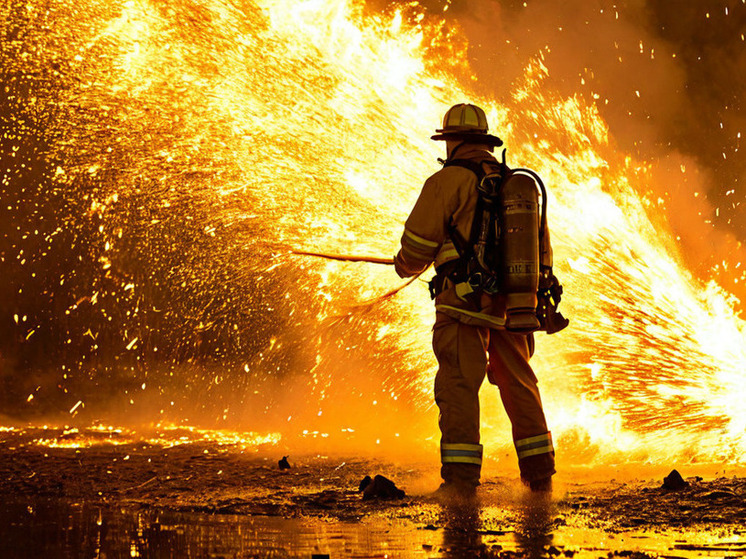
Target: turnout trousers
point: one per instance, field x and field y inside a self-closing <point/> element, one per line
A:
<point x="465" y="354"/>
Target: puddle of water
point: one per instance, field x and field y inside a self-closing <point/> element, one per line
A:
<point x="52" y="529"/>
<point x="55" y="529"/>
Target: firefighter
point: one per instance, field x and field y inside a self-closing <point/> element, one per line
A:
<point x="469" y="335"/>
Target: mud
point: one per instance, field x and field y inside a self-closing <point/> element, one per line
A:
<point x="97" y="496"/>
<point x="713" y="502"/>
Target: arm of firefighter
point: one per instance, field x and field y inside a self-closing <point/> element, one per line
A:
<point x="424" y="231"/>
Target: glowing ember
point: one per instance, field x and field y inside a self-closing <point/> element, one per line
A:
<point x="184" y="149"/>
<point x="166" y="436"/>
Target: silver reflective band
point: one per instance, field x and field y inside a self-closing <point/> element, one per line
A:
<point x="463" y="453"/>
<point x="531" y="446"/>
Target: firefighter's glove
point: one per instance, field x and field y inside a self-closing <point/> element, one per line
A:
<point x="401" y="271"/>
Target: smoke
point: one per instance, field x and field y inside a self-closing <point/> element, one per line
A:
<point x="666" y="77"/>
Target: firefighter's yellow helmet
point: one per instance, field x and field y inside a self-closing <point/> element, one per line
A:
<point x="466" y="123"/>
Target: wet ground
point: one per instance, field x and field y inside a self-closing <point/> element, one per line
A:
<point x="106" y="494"/>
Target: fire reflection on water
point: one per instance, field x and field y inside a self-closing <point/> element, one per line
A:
<point x="104" y="532"/>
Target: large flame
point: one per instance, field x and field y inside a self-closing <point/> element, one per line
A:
<point x="207" y="138"/>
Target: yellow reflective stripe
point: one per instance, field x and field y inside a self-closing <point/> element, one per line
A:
<point x="446" y="255"/>
<point x="461" y="460"/>
<point x="419" y="240"/>
<point x="461" y="446"/>
<point x="538" y="438"/>
<point x="415" y="249"/>
<point x="535" y="451"/>
<point x="421" y="250"/>
<point x="418" y="257"/>
<point x="496" y="320"/>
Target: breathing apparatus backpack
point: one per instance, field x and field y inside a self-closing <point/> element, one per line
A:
<point x="504" y="248"/>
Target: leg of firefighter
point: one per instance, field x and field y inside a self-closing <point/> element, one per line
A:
<point x="462" y="360"/>
<point x="510" y="371"/>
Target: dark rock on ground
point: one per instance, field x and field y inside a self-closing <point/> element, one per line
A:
<point x="382" y="488"/>
<point x="283" y="463"/>
<point x="365" y="482"/>
<point x="674" y="481"/>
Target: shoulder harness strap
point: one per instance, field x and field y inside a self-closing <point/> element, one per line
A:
<point x="465" y="246"/>
<point x="473" y="166"/>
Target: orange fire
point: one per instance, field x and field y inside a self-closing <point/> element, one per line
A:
<point x="161" y="435"/>
<point x="307" y="123"/>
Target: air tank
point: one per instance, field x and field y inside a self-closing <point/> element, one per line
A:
<point x="519" y="242"/>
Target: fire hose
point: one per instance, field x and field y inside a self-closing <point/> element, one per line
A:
<point x="368" y="259"/>
<point x="346" y="258"/>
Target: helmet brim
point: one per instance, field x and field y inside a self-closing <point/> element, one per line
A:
<point x="472" y="138"/>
